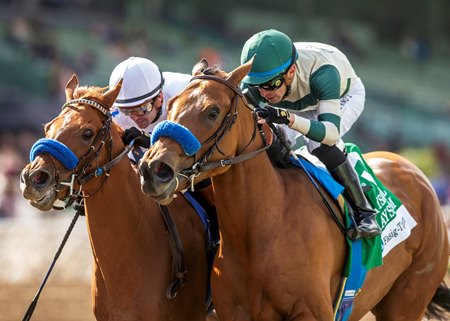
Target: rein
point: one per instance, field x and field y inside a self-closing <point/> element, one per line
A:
<point x="79" y="211"/>
<point x="217" y="136"/>
<point x="176" y="247"/>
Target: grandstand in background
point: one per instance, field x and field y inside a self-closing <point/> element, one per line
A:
<point x="403" y="62"/>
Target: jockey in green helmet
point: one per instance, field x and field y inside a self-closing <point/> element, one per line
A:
<point x="312" y="88"/>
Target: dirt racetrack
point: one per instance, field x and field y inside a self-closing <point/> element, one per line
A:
<point x="27" y="247"/>
<point x="65" y="302"/>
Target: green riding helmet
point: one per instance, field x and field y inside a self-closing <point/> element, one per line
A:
<point x="275" y="53"/>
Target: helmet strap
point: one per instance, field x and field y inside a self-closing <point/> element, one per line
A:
<point x="289" y="82"/>
<point x="288" y="91"/>
<point x="158" y="115"/>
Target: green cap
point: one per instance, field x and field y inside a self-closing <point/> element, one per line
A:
<point x="274" y="55"/>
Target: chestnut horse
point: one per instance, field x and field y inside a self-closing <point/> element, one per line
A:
<point x="133" y="263"/>
<point x="282" y="254"/>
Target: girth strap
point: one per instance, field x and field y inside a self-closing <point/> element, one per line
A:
<point x="176" y="247"/>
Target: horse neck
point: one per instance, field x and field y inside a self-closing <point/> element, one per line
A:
<point x="244" y="191"/>
<point x="118" y="215"/>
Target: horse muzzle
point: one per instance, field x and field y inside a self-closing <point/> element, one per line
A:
<point x="158" y="180"/>
<point x="38" y="187"/>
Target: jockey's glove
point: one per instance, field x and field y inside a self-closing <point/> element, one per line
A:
<point x="141" y="138"/>
<point x="273" y="115"/>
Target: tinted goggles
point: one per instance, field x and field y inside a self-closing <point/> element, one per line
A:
<point x="141" y="110"/>
<point x="272" y="84"/>
<point x="276" y="82"/>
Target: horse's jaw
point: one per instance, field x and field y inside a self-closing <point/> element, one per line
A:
<point x="160" y="193"/>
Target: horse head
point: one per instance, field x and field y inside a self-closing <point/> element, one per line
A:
<point x="73" y="147"/>
<point x="201" y="134"/>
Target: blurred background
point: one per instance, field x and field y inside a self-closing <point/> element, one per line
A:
<point x="400" y="49"/>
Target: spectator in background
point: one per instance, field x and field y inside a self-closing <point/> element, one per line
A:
<point x="10" y="166"/>
<point x="19" y="33"/>
<point x="14" y="152"/>
<point x="342" y="39"/>
<point x="416" y="47"/>
<point x="442" y="183"/>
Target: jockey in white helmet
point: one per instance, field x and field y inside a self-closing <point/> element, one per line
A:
<point x="141" y="102"/>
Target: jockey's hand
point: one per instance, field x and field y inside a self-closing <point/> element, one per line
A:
<point x="273" y="115"/>
<point x="141" y="137"/>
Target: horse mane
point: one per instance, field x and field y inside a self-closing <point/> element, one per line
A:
<point x="92" y="92"/>
<point x="96" y="94"/>
<point x="215" y="71"/>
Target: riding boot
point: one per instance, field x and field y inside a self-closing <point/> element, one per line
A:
<point x="364" y="214"/>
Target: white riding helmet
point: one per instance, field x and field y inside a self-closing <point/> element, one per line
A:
<point x="142" y="80"/>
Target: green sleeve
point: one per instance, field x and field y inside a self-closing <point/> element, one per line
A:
<point x="325" y="83"/>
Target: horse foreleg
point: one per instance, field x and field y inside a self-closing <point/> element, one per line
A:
<point x="98" y="295"/>
<point x="403" y="302"/>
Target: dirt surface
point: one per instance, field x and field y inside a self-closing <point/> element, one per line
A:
<point x="26" y="250"/>
<point x="68" y="302"/>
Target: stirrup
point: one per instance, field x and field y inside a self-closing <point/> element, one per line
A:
<point x="213" y="245"/>
<point x="356" y="233"/>
<point x="353" y="234"/>
<point x="367" y="234"/>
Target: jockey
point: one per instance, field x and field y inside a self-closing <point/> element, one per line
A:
<point x="317" y="93"/>
<point x="142" y="100"/>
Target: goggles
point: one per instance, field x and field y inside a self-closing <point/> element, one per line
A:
<point x="141" y="110"/>
<point x="273" y="84"/>
<point x="276" y="82"/>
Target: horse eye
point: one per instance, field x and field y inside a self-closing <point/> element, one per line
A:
<point x="213" y="113"/>
<point x="88" y="134"/>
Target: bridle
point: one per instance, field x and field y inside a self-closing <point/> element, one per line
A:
<point x="80" y="174"/>
<point x="230" y="119"/>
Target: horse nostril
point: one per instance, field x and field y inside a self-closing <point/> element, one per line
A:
<point x="161" y="172"/>
<point x="40" y="179"/>
<point x="143" y="169"/>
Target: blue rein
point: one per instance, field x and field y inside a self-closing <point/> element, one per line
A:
<point x="56" y="149"/>
<point x="183" y="136"/>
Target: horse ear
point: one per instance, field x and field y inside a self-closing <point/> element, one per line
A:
<point x="235" y="77"/>
<point x="110" y="96"/>
<point x="71" y="86"/>
<point x="199" y="67"/>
